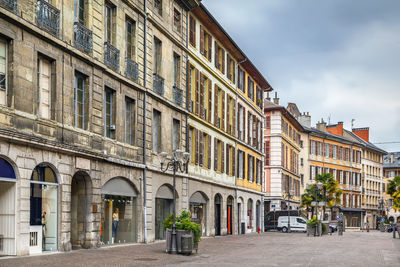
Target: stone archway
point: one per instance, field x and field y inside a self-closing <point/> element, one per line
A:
<point x="81" y="199"/>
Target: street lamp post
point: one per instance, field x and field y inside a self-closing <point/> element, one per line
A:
<point x="381" y="208"/>
<point x="290" y="193"/>
<point x="178" y="162"/>
<point x="316" y="189"/>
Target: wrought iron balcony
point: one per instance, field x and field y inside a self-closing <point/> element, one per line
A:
<point x="178" y="95"/>
<point x="83" y="38"/>
<point x="158" y="84"/>
<point x="132" y="70"/>
<point x="11" y="5"/>
<point x="111" y="56"/>
<point x="48" y="17"/>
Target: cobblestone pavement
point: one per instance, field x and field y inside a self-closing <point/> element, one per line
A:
<point x="268" y="249"/>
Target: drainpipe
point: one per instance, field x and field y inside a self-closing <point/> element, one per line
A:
<point x="144" y="124"/>
<point x="187" y="108"/>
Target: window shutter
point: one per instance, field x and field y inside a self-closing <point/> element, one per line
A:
<point x="233" y="161"/>
<point x="248" y="168"/>
<point x="201" y="148"/>
<point x="201" y="40"/>
<point x="228" y="67"/>
<point x="193" y="31"/>
<point x="201" y="95"/>
<point x="238" y="166"/>
<point x="248" y="128"/>
<point x="215" y="104"/>
<point x="197" y="147"/>
<point x="244" y="125"/>
<point x="209" y="101"/>
<point x="223" y="111"/>
<point x="189" y="79"/>
<point x="227" y="159"/>
<point x="222" y="156"/>
<point x="223" y="62"/>
<point x="228" y="114"/>
<point x="234" y="118"/>
<point x="215" y="154"/>
<point x="233" y="71"/>
<point x="209" y="48"/>
<point x="216" y="50"/>
<point x="209" y="152"/>
<point x="197" y="111"/>
<point x="254" y="131"/>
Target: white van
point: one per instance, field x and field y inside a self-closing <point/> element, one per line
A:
<point x="296" y="224"/>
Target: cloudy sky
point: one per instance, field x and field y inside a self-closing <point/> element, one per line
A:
<point x="334" y="58"/>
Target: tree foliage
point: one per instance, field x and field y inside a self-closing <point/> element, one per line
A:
<point x="393" y="190"/>
<point x="183" y="222"/>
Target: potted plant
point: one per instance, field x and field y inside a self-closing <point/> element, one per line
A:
<point x="184" y="225"/>
<point x="312" y="225"/>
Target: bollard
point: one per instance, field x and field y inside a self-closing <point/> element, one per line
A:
<point x="394" y="230"/>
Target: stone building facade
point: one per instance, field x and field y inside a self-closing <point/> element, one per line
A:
<point x="391" y="169"/>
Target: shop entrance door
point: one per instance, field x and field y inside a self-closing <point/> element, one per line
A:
<point x="257" y="215"/>
<point x="217" y="214"/>
<point x="163" y="209"/>
<point x="229" y="215"/>
<point x="7" y="218"/>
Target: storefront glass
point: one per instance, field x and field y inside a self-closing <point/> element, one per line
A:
<point x="163" y="209"/>
<point x="44" y="191"/>
<point x="118" y="224"/>
<point x="198" y="214"/>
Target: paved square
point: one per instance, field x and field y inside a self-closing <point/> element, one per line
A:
<point x="268" y="249"/>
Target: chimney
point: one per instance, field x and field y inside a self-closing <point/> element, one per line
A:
<point x="276" y="99"/>
<point x="336" y="129"/>
<point x="268" y="97"/>
<point x="305" y="119"/>
<point x="321" y="125"/>
<point x="363" y="133"/>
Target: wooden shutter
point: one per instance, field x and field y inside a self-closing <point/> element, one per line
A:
<point x="201" y="148"/>
<point x="192" y="31"/>
<point x="215" y="154"/>
<point x="238" y="168"/>
<point x="255" y="131"/>
<point x="209" y="152"/>
<point x="233" y="71"/>
<point x="223" y="62"/>
<point x="223" y="111"/>
<point x="209" y="101"/>
<point x="197" y="146"/>
<point x="244" y="125"/>
<point x="227" y="159"/>
<point x="222" y="156"/>
<point x="215" y="104"/>
<point x="201" y="40"/>
<point x="228" y="67"/>
<point x="249" y="130"/>
<point x="201" y="95"/>
<point x="233" y="161"/>
<point x="197" y="110"/>
<point x="216" y="50"/>
<point x="228" y="114"/>
<point x="209" y="48"/>
<point x="189" y="79"/>
<point x="234" y="118"/>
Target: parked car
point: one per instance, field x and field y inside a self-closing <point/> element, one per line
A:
<point x="296" y="224"/>
<point x="271" y="219"/>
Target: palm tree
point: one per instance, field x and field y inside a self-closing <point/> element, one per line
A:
<point x="393" y="189"/>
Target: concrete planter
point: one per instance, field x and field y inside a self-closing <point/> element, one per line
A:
<point x="179" y="234"/>
<point x="311" y="230"/>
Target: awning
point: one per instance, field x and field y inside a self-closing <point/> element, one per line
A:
<point x="165" y="192"/>
<point x="352" y="210"/>
<point x="119" y="187"/>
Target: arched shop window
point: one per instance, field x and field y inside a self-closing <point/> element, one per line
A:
<point x="6" y="170"/>
<point x="250" y="213"/>
<point x="43" y="216"/>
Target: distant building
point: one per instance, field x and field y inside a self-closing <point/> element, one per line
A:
<point x="391" y="169"/>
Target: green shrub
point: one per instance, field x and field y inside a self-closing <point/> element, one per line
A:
<point x="184" y="222"/>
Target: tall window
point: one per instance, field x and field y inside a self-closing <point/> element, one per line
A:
<point x="250" y="166"/>
<point x="205" y="43"/>
<point x="3" y="72"/>
<point x="80" y="100"/>
<point x="241" y="122"/>
<point x="219" y="58"/>
<point x="259" y="97"/>
<point x="267" y="122"/>
<point x="241" y="79"/>
<point x="241" y="168"/>
<point x="177" y="70"/>
<point x="130" y="110"/>
<point x="158" y="6"/>
<point x="192" y="144"/>
<point x="157" y="56"/>
<point x="44" y="85"/>
<point x="109" y="110"/>
<point x="130" y="39"/>
<point x="192" y="31"/>
<point x="250" y="88"/>
<point x="193" y="80"/>
<point x="230" y="68"/>
<point x="156" y="131"/>
<point x="110" y="22"/>
<point x="177" y="20"/>
<point x="80" y="15"/>
<point x="267" y="153"/>
<point x="258" y="171"/>
<point x="176" y="134"/>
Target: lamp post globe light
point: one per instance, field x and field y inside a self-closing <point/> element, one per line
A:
<point x="179" y="162"/>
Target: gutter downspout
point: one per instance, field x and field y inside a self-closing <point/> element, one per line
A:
<point x="144" y="124"/>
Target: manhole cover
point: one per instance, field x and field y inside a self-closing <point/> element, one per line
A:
<point x="145" y="259"/>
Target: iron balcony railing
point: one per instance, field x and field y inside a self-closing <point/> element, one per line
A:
<point x="83" y="38"/>
<point x="178" y="95"/>
<point x="132" y="70"/>
<point x="111" y="56"/>
<point x="158" y="84"/>
<point x="11" y="5"/>
<point x="48" y="17"/>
